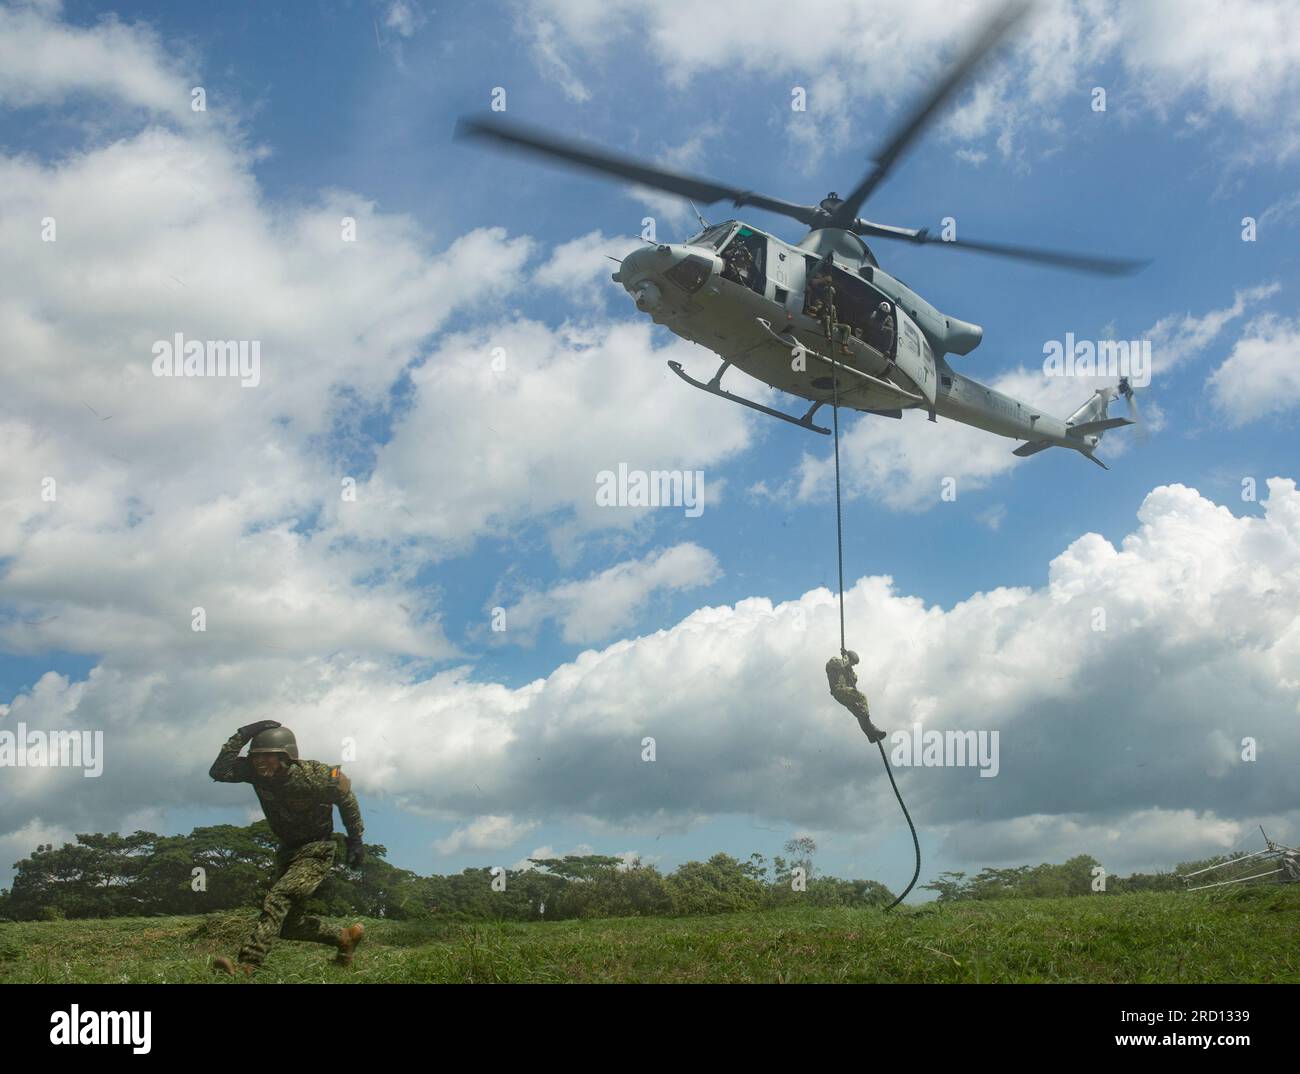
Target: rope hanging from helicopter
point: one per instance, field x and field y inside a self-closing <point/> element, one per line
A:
<point x="839" y="546"/>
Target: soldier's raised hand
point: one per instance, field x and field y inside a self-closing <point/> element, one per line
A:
<point x="253" y="729"/>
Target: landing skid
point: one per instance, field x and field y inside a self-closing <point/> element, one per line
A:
<point x="713" y="388"/>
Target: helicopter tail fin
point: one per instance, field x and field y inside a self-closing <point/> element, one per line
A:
<point x="1032" y="447"/>
<point x="1089" y="427"/>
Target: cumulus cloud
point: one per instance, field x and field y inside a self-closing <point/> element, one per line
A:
<point x="1262" y="374"/>
<point x="1201" y="616"/>
<point x="485" y="833"/>
<point x="128" y="500"/>
<point x="176" y="493"/>
<point x="1182" y="337"/>
<point x="580" y="268"/>
<point x="19" y="843"/>
<point x="515" y="421"/>
<point x="1170" y="52"/>
<point x="45" y="60"/>
<point x="1126" y="843"/>
<point x="595" y="608"/>
<point x="133" y="499"/>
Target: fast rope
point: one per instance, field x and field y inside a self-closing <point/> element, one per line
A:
<point x="839" y="545"/>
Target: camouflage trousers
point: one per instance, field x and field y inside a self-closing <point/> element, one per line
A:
<point x="299" y="872"/>
<point x="853" y="700"/>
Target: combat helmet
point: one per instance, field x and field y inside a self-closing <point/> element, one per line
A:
<point x="275" y="740"/>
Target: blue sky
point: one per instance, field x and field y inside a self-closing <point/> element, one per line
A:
<point x="320" y="110"/>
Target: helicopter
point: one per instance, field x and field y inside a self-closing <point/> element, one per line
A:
<point x="821" y="319"/>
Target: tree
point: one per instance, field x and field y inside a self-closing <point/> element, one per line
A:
<point x="950" y="886"/>
<point x="578" y="866"/>
<point x="718" y="886"/>
<point x="801" y="850"/>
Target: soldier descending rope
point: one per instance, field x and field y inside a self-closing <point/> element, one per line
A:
<point x="298" y="798"/>
<point x="844" y="688"/>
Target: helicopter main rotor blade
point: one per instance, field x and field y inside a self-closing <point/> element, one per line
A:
<point x="520" y="137"/>
<point x="1103" y="266"/>
<point x="994" y="32"/>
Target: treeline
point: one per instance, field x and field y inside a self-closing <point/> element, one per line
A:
<point x="226" y="867"/>
<point x="1078" y="876"/>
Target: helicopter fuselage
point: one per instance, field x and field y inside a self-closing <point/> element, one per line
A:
<point x="759" y="320"/>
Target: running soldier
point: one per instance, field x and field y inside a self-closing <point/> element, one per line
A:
<point x="298" y="798"/>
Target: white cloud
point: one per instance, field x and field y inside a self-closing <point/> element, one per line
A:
<point x="1241" y="60"/>
<point x="171" y="494"/>
<point x="481" y="450"/>
<point x="993" y="517"/>
<point x="595" y="608"/>
<point x="1202" y="639"/>
<point x="485" y="833"/>
<point x="22" y="841"/>
<point x="580" y="269"/>
<point x="1179" y="338"/>
<point x="44" y="60"/>
<point x="403" y="17"/>
<point x="1129" y="842"/>
<point x="193" y="492"/>
<point x="1281" y="211"/>
<point x="1262" y="374"/>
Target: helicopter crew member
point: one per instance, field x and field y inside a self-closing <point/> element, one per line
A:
<point x="844" y="688"/>
<point x="298" y="798"/>
<point x="738" y="263"/>
<point x="882" y="324"/>
<point x="820" y="297"/>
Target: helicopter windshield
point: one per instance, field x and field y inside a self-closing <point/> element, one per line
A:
<point x="714" y="236"/>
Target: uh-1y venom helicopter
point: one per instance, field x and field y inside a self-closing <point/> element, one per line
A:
<point x="754" y="299"/>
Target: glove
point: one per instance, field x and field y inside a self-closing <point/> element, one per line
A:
<point x="253" y="729"/>
<point x="356" y="854"/>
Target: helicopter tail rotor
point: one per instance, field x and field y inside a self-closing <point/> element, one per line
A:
<point x="1134" y="412"/>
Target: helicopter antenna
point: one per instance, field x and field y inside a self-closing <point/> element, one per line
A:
<point x="703" y="223"/>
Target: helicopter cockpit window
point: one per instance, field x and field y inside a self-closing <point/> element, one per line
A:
<point x="690" y="274"/>
<point x="743" y="259"/>
<point x="714" y="236"/>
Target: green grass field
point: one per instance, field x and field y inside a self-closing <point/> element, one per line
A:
<point x="1238" y="936"/>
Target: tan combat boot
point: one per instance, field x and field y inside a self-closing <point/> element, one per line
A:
<point x="348" y="940"/>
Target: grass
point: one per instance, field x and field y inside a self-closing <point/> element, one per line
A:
<point x="1244" y="936"/>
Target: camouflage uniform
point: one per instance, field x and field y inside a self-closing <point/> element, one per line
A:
<point x="819" y="298"/>
<point x="299" y="806"/>
<point x="844" y="688"/>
